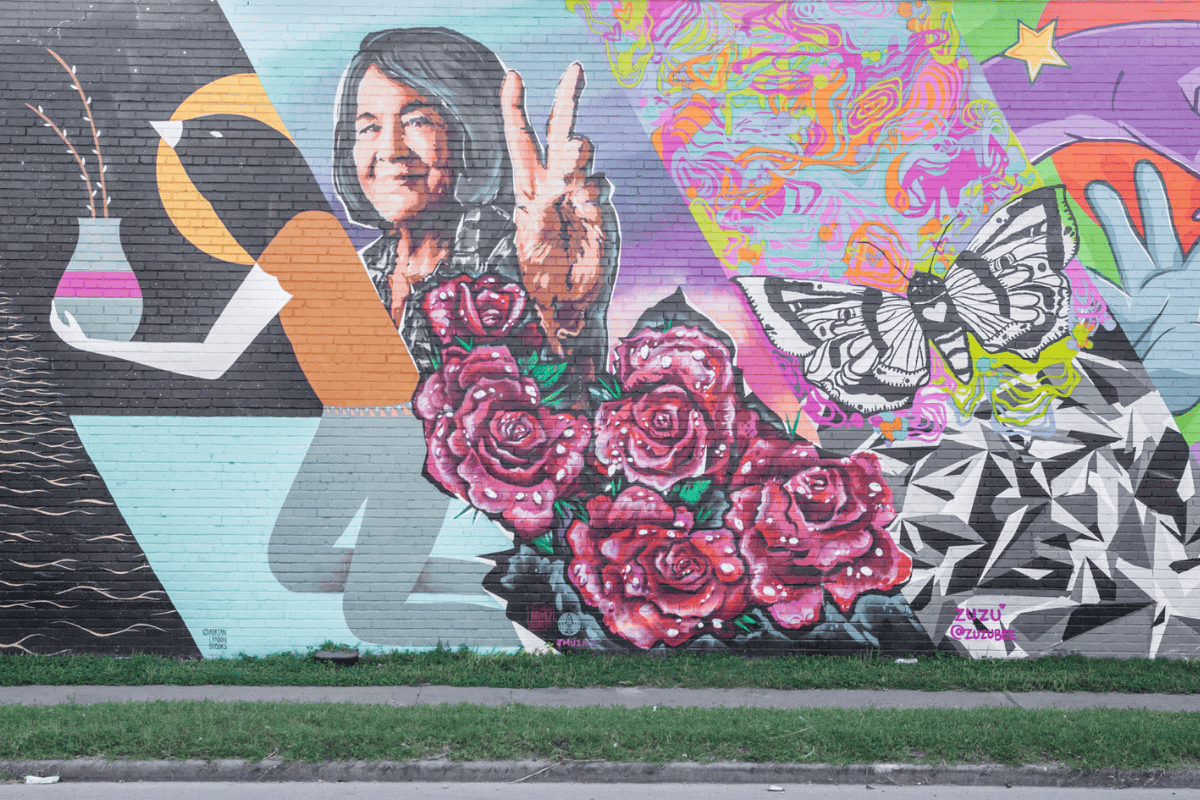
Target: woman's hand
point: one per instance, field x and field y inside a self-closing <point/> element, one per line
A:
<point x="64" y="324"/>
<point x="562" y="241"/>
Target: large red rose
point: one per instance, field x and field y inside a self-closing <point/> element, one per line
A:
<point x="808" y="525"/>
<point x="681" y="418"/>
<point x="653" y="577"/>
<point x="488" y="307"/>
<point x="492" y="444"/>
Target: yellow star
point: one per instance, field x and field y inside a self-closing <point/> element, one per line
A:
<point x="1036" y="49"/>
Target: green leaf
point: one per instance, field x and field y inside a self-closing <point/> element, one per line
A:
<point x="550" y="398"/>
<point x="612" y="392"/>
<point x="543" y="544"/>
<point x="597" y="394"/>
<point x="746" y="622"/>
<point x="570" y="508"/>
<point x="528" y="362"/>
<point x="436" y="358"/>
<point x="692" y="492"/>
<point x="548" y="374"/>
<point x="466" y="344"/>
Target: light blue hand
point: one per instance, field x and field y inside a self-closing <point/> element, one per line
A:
<point x="1158" y="301"/>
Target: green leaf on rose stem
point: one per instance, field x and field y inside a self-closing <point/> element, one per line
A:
<point x="704" y="513"/>
<point x="436" y="359"/>
<point x="691" y="493"/>
<point x="746" y="622"/>
<point x="668" y="323"/>
<point x="467" y="344"/>
<point x="464" y="511"/>
<point x="614" y="485"/>
<point x="543" y="543"/>
<point x="614" y="391"/>
<point x="528" y="362"/>
<point x="567" y="509"/>
<point x="550" y="398"/>
<point x="792" y="425"/>
<point x="548" y="374"/>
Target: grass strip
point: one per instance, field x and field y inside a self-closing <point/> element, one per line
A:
<point x="524" y="670"/>
<point x="1088" y="739"/>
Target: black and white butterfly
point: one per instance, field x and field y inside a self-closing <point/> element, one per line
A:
<point x="868" y="349"/>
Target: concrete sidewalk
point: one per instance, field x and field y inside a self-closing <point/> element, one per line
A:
<point x="978" y="775"/>
<point x="628" y="697"/>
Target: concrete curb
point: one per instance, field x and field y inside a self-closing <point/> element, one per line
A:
<point x="91" y="770"/>
<point x="627" y="697"/>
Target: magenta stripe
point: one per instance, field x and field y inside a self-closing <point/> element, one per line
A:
<point x="97" y="283"/>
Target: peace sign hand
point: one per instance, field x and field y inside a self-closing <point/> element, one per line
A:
<point x="561" y="239"/>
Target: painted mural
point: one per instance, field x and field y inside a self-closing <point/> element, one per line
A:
<point x="754" y="327"/>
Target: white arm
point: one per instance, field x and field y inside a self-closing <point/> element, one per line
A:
<point x="253" y="305"/>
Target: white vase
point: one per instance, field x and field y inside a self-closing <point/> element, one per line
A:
<point x="99" y="287"/>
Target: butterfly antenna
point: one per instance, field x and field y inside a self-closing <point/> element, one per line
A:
<point x="942" y="235"/>
<point x="942" y="238"/>
<point x="886" y="258"/>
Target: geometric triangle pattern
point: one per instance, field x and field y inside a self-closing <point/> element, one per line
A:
<point x="1079" y="539"/>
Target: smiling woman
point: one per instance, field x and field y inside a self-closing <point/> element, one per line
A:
<point x="429" y="129"/>
<point x="401" y="150"/>
<point x="419" y="149"/>
<point x="432" y="147"/>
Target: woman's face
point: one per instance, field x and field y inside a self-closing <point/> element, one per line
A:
<point x="401" y="149"/>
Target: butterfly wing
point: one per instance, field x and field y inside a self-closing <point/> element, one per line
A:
<point x="863" y="347"/>
<point x="1010" y="285"/>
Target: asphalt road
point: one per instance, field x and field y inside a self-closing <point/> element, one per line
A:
<point x="629" y="697"/>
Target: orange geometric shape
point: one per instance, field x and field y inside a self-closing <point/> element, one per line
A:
<point x="240" y="94"/>
<point x="342" y="336"/>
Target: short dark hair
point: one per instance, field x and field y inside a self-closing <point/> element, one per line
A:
<point x="459" y="73"/>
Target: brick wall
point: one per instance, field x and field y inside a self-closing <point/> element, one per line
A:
<point x="762" y="328"/>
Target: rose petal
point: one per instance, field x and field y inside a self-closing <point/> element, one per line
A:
<point x="801" y="609"/>
<point x="653" y="577"/>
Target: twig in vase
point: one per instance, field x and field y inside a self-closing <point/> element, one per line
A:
<point x="87" y="108"/>
<point x="82" y="169"/>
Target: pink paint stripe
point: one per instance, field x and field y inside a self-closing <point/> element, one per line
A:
<point x="97" y="283"/>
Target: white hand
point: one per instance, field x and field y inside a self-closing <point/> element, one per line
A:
<point x="68" y="330"/>
<point x="252" y="307"/>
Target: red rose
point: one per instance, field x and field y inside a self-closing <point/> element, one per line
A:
<point x="809" y="525"/>
<point x="653" y="577"/>
<point x="492" y="444"/>
<point x="487" y="307"/>
<point x="681" y="419"/>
